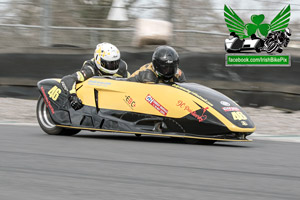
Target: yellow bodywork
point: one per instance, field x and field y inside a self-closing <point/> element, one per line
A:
<point x="113" y="94"/>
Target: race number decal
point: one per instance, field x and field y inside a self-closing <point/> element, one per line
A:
<point x="238" y="116"/>
<point x="54" y="93"/>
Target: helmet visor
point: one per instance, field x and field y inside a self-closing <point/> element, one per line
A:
<point x="167" y="71"/>
<point x="110" y="65"/>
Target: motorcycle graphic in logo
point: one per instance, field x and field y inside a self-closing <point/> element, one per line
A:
<point x="263" y="36"/>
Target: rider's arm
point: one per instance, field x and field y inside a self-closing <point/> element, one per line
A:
<point x="179" y="76"/>
<point x="144" y="75"/>
<point x="69" y="82"/>
<point x="123" y="70"/>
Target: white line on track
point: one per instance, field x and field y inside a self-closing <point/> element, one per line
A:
<point x="280" y="138"/>
<point x="18" y="123"/>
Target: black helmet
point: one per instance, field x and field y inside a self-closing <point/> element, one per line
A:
<point x="165" y="61"/>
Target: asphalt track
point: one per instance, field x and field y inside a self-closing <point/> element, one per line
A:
<point x="34" y="165"/>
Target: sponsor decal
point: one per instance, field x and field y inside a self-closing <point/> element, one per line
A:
<point x="156" y="105"/>
<point x="98" y="83"/>
<point x="129" y="101"/>
<point x="244" y="123"/>
<point x="48" y="104"/>
<point x="200" y="118"/>
<point x="225" y="103"/>
<point x="238" y="116"/>
<point x="54" y="93"/>
<point x="230" y="109"/>
<point x="194" y="94"/>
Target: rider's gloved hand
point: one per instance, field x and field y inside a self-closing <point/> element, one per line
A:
<point x="75" y="102"/>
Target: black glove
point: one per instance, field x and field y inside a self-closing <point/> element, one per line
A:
<point x="75" y="102"/>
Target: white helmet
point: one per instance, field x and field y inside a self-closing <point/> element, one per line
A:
<point x="107" y="58"/>
<point x="288" y="32"/>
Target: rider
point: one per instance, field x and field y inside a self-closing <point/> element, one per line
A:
<point x="106" y="61"/>
<point x="283" y="37"/>
<point x="163" y="68"/>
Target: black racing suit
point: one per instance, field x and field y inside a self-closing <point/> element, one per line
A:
<point x="147" y="74"/>
<point x="88" y="70"/>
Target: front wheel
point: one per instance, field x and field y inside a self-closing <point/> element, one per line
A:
<point x="47" y="124"/>
<point x="272" y="46"/>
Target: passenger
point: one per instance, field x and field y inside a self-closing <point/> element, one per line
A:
<point x="106" y="61"/>
<point x="163" y="68"/>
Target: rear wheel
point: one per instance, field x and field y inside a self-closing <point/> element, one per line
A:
<point x="47" y="124"/>
<point x="258" y="50"/>
<point x="258" y="47"/>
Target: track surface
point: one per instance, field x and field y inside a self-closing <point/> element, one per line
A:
<point x="34" y="165"/>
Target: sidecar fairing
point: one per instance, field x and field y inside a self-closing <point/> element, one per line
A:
<point x="237" y="45"/>
<point x="186" y="110"/>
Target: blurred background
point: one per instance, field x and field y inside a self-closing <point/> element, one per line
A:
<point x="50" y="38"/>
<point x="83" y="23"/>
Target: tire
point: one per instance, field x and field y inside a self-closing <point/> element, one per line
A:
<point x="47" y="124"/>
<point x="279" y="50"/>
<point x="272" y="47"/>
<point x="258" y="47"/>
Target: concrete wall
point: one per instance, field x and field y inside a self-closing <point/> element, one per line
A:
<point x="251" y="86"/>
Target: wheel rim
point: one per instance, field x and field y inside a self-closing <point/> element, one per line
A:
<point x="44" y="115"/>
<point x="272" y="47"/>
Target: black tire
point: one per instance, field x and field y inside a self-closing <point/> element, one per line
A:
<point x="47" y="124"/>
<point x="233" y="51"/>
<point x="272" y="47"/>
<point x="258" y="47"/>
<point x="258" y="50"/>
<point x="279" y="50"/>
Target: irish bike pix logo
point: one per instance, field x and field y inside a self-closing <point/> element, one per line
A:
<point x="257" y="43"/>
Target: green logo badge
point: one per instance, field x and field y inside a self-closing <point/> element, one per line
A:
<point x="235" y="24"/>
